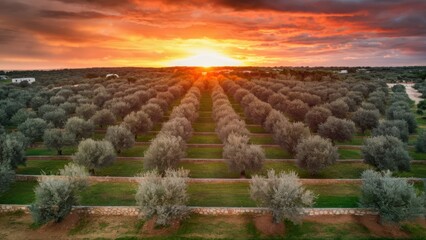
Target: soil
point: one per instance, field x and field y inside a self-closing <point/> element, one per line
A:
<point x="267" y="227"/>
<point x="371" y="222"/>
<point x="53" y="228"/>
<point x="150" y="230"/>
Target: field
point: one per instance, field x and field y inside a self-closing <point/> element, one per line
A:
<point x="204" y="154"/>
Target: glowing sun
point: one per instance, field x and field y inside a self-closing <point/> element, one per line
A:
<point x="206" y="59"/>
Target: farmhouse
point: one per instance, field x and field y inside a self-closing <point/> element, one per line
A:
<point x="26" y="79"/>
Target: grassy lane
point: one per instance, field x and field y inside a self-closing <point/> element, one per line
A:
<point x="214" y="152"/>
<point x="208" y="195"/>
<point x="216" y="169"/>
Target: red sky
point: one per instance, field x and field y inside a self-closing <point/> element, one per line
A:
<point x="46" y="34"/>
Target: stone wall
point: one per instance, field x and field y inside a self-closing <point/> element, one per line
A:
<point x="134" y="211"/>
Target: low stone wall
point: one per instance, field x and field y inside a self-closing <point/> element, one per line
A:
<point x="100" y="179"/>
<point x="134" y="211"/>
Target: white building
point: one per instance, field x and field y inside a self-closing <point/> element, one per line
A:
<point x="3" y="77"/>
<point x="112" y="75"/>
<point x="19" y="80"/>
<point x="343" y="71"/>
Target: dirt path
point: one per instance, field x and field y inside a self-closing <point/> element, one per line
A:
<point x="413" y="94"/>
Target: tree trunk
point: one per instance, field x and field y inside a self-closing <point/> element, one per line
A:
<point x="59" y="151"/>
<point x="118" y="150"/>
<point x="92" y="172"/>
<point x="243" y="174"/>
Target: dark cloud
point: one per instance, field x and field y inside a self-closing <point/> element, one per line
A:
<point x="73" y="15"/>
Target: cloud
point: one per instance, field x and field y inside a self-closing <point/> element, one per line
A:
<point x="262" y="32"/>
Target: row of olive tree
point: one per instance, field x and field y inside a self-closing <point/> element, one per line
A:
<point x="240" y="155"/>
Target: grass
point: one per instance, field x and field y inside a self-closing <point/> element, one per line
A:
<point x="207" y="169"/>
<point x="205" y="139"/>
<point x="350" y="153"/>
<point x="214" y="152"/>
<point x="201" y="194"/>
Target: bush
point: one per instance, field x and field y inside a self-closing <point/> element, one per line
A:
<point x="395" y="128"/>
<point x="283" y="194"/>
<point x="241" y="156"/>
<point x="7" y="176"/>
<point x="394" y="198"/>
<point x="164" y="152"/>
<point x="120" y="137"/>
<point x="316" y="116"/>
<point x="315" y="153"/>
<point x="94" y="154"/>
<point x="366" y="119"/>
<point x="57" y="139"/>
<point x="337" y="129"/>
<point x="386" y="153"/>
<point x="165" y="197"/>
<point x="421" y="142"/>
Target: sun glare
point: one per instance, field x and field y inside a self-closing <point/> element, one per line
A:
<point x="206" y="59"/>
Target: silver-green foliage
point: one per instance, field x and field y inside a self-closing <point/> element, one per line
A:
<point x="315" y="153"/>
<point x="421" y="142"/>
<point x="394" y="198"/>
<point x="165" y="197"/>
<point x="33" y="128"/>
<point x="120" y="137"/>
<point x="242" y="156"/>
<point x="57" y="139"/>
<point x="283" y="194"/>
<point x="54" y="198"/>
<point x="12" y="149"/>
<point x="386" y="153"/>
<point x="164" y="152"/>
<point x="7" y="176"/>
<point x="94" y="154"/>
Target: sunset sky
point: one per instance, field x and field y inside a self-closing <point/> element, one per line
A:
<point x="46" y="34"/>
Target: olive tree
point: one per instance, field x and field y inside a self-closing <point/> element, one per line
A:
<point x="242" y="156"/>
<point x="288" y="135"/>
<point x="386" y="153"/>
<point x="337" y="129"/>
<point x="120" y="137"/>
<point x="80" y="128"/>
<point x="339" y="108"/>
<point x="57" y="139"/>
<point x="94" y="154"/>
<point x="165" y="197"/>
<point x="86" y="111"/>
<point x="154" y="111"/>
<point x="283" y="193"/>
<point x="22" y="115"/>
<point x="7" y="176"/>
<point x="395" y="199"/>
<point x="55" y="197"/>
<point x="58" y="117"/>
<point x="316" y="116"/>
<point x="396" y="128"/>
<point x="33" y="128"/>
<point x="315" y="153"/>
<point x="138" y="122"/>
<point x="164" y="152"/>
<point x="12" y="149"/>
<point x="366" y="119"/>
<point x="179" y="127"/>
<point x="103" y="118"/>
<point x="421" y="142"/>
